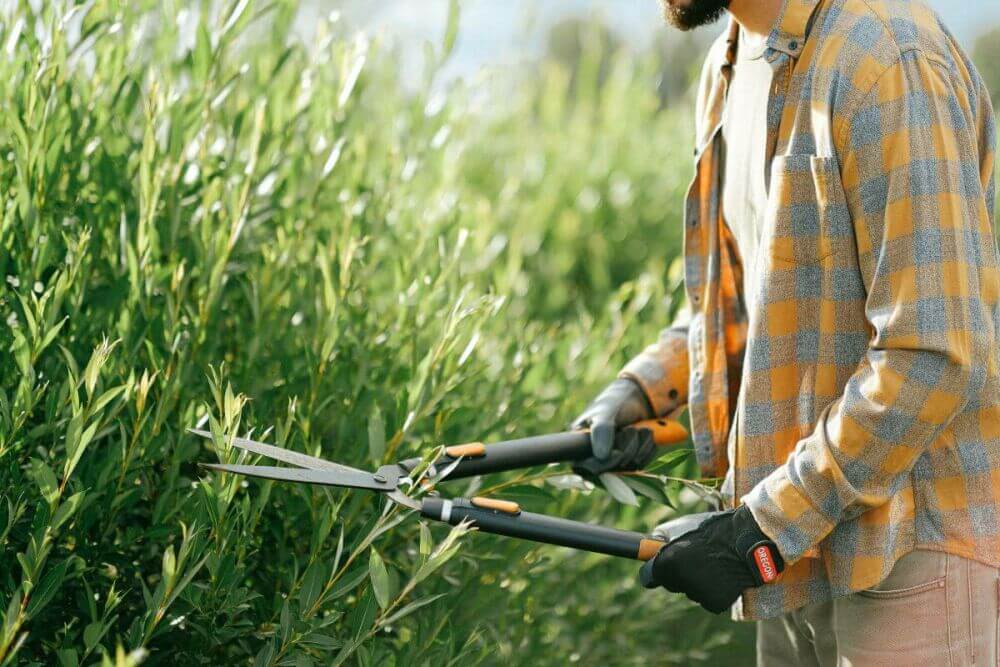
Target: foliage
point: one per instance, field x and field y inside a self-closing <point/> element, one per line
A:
<point x="986" y="53"/>
<point x="206" y="222"/>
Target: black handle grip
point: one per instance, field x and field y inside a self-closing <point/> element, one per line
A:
<point x="506" y="518"/>
<point x="479" y="459"/>
<point x="516" y="454"/>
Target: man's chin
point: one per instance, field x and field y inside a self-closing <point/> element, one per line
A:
<point x="691" y="14"/>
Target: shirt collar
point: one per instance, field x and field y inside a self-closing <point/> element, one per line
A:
<point x="790" y="31"/>
<point x="793" y="26"/>
<point x="788" y="37"/>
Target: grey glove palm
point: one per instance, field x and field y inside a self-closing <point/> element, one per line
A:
<point x="621" y="403"/>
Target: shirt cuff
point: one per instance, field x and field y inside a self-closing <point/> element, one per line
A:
<point x="661" y="370"/>
<point x="787" y="516"/>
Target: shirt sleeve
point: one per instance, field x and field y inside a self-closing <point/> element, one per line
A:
<point x="919" y="198"/>
<point x="662" y="370"/>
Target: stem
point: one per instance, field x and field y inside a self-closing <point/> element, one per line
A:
<point x="519" y="480"/>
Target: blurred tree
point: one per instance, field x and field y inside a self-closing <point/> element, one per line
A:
<point x="582" y="42"/>
<point x="579" y="43"/>
<point x="986" y="53"/>
<point x="682" y="54"/>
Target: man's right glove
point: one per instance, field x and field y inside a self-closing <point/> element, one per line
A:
<point x="674" y="528"/>
<point x="714" y="563"/>
<point x="622" y="403"/>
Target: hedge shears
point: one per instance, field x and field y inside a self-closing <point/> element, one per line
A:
<point x="490" y="515"/>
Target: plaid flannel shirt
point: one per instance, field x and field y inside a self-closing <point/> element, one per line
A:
<point x="856" y="410"/>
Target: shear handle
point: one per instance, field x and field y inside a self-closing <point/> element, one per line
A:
<point x="505" y="518"/>
<point x="480" y="459"/>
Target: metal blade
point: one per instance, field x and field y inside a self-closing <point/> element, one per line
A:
<point x="404" y="500"/>
<point x="284" y="455"/>
<point x="354" y="479"/>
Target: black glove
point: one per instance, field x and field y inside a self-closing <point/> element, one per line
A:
<point x="622" y="403"/>
<point x="633" y="449"/>
<point x="717" y="561"/>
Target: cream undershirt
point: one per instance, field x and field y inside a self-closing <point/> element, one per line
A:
<point x="744" y="134"/>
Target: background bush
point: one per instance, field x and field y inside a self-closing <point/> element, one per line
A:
<point x="204" y="222"/>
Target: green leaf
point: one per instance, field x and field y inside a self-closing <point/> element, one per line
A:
<point x="650" y="488"/>
<point x="527" y="493"/>
<point x="169" y="563"/>
<point x="618" y="489"/>
<point x="312" y="584"/>
<point x="28" y="312"/>
<point x="348" y="583"/>
<point x="234" y="16"/>
<point x="669" y="460"/>
<point x="187" y="579"/>
<point x="285" y="623"/>
<point x="412" y="607"/>
<point x="321" y="641"/>
<point x="426" y="541"/>
<point x="42" y="594"/>
<point x="22" y="353"/>
<point x="13" y="607"/>
<point x="92" y="634"/>
<point x="364" y="614"/>
<point x="75" y="450"/>
<point x="350" y="69"/>
<point x="266" y="655"/>
<point x="107" y="397"/>
<point x="380" y="579"/>
<point x="66" y="509"/>
<point x="444" y="552"/>
<point x="451" y="30"/>
<point x="51" y="334"/>
<point x="202" y="55"/>
<point x="376" y="435"/>
<point x="27" y="568"/>
<point x="68" y="657"/>
<point x="46" y="480"/>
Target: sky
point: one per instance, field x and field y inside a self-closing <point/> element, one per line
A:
<point x="510" y="33"/>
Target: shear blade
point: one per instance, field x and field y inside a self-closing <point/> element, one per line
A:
<point x="352" y="479"/>
<point x="283" y="455"/>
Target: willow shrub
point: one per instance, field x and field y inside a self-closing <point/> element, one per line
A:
<point x="207" y="222"/>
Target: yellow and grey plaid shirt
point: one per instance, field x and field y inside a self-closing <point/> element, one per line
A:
<point x="856" y="410"/>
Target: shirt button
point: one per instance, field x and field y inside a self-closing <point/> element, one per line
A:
<point x="793" y="45"/>
<point x="696" y="298"/>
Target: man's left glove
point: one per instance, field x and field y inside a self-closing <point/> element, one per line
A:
<point x="717" y="561"/>
<point x="633" y="449"/>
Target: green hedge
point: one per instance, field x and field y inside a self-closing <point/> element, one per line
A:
<point x="206" y="223"/>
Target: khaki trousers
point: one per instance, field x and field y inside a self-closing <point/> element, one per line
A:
<point x="933" y="609"/>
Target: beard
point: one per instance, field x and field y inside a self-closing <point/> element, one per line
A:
<point x="691" y="14"/>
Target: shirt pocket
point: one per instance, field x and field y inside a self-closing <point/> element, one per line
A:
<point x="808" y="221"/>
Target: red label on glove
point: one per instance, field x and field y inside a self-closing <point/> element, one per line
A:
<point x="765" y="564"/>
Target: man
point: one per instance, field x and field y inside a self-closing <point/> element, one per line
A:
<point x="840" y="363"/>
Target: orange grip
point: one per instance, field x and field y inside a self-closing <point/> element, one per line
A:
<point x="665" y="431"/>
<point x="648" y="548"/>
<point x="505" y="506"/>
<point x="470" y="450"/>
